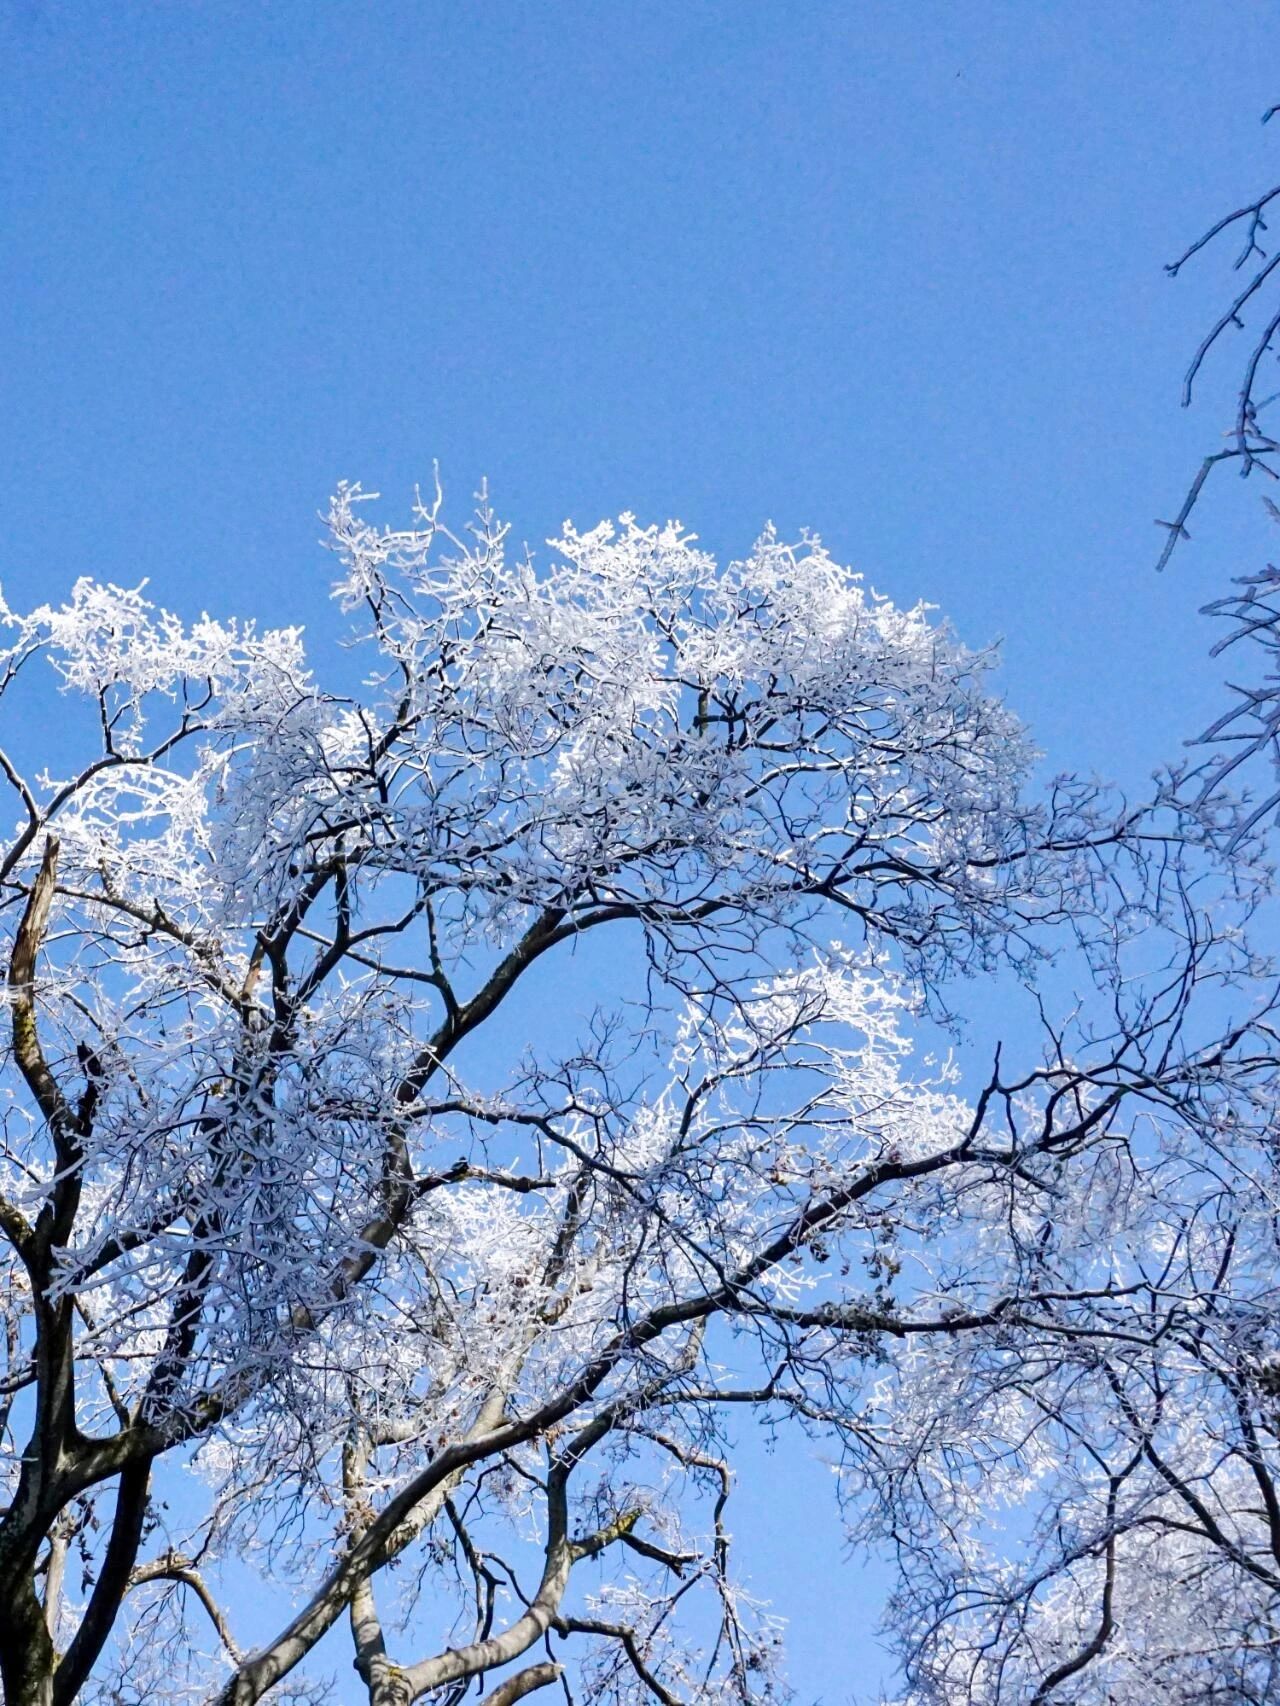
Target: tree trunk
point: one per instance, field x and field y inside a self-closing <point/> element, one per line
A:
<point x="26" y="1650"/>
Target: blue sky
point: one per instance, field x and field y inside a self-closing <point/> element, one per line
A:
<point x="892" y="271"/>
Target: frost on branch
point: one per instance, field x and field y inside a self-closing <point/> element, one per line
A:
<point x="430" y="1114"/>
<point x="1085" y="1496"/>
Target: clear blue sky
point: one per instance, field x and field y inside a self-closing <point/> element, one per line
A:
<point x="890" y="270"/>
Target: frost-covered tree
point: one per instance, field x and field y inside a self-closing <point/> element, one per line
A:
<point x="1087" y="1505"/>
<point x="433" y="1110"/>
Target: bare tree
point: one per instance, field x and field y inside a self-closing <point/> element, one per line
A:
<point x="1253" y="308"/>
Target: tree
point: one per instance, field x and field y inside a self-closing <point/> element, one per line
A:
<point x="1247" y="728"/>
<point x="1249" y="444"/>
<point x="1133" y="1432"/>
<point x="1087" y="1507"/>
<point x="293" y="1225"/>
